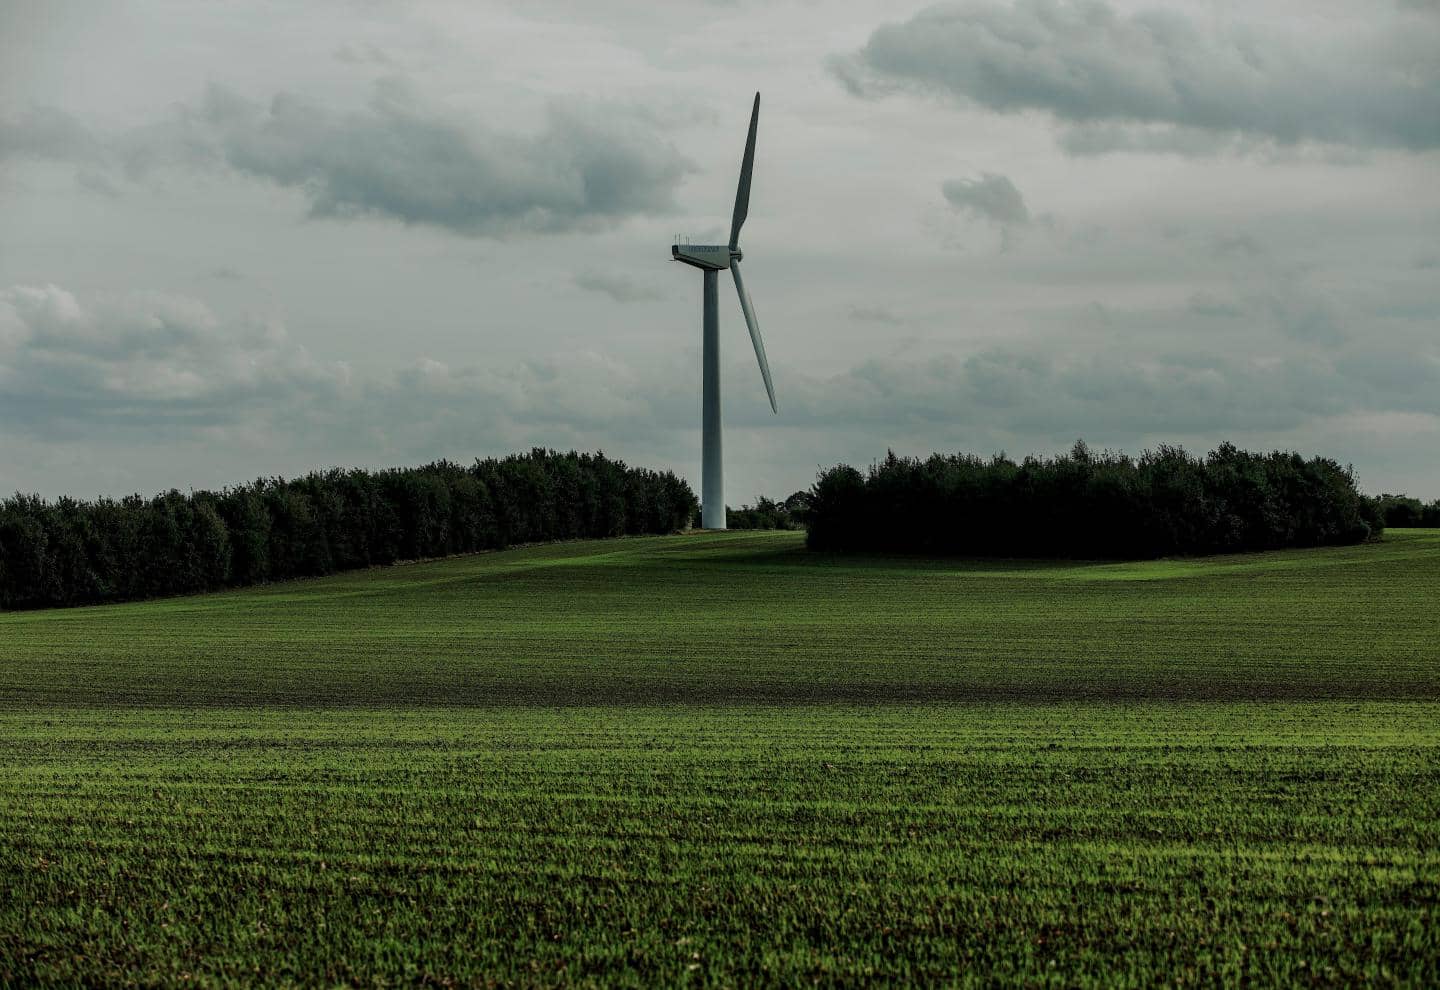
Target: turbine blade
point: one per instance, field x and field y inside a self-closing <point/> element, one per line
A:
<point x="754" y="333"/>
<point x="742" y="194"/>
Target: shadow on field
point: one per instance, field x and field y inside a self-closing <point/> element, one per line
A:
<point x="742" y="620"/>
<point x="619" y="694"/>
<point x="746" y="555"/>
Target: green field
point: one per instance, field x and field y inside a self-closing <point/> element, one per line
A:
<point x="719" y="759"/>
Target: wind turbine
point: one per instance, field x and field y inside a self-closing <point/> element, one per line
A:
<point x="711" y="259"/>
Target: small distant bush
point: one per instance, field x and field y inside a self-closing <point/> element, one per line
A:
<point x="767" y="513"/>
<point x="1401" y="511"/>
<point x="1088" y="505"/>
<point x="69" y="552"/>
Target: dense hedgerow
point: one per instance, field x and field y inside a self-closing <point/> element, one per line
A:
<point x="70" y="552"/>
<point x="1402" y="512"/>
<point x="1089" y="505"/>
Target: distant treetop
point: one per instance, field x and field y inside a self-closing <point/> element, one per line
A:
<point x="1089" y="505"/>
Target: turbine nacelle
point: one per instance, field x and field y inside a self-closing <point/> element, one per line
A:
<point x="711" y="257"/>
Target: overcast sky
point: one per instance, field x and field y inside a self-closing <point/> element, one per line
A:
<point x="255" y="239"/>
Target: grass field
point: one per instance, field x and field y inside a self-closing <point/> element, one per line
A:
<point x="721" y="760"/>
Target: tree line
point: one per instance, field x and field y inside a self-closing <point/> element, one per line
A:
<point x="71" y="552"/>
<point x="1089" y="505"/>
<point x="1402" y="511"/>
<point x="767" y="513"/>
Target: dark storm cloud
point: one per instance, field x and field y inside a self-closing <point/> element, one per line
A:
<point x="1160" y="80"/>
<point x="990" y="197"/>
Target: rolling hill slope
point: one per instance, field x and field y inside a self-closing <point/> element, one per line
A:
<point x="752" y="617"/>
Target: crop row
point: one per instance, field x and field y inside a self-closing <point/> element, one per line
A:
<point x="1049" y="844"/>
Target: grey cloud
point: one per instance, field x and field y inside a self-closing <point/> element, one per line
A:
<point x="619" y="287"/>
<point x="1103" y="395"/>
<point x="366" y="54"/>
<point x="141" y="359"/>
<point x="1305" y="317"/>
<point x="990" y="197"/>
<point x="1210" y="304"/>
<point x="1197" y="142"/>
<point x="875" y="314"/>
<point x="98" y="182"/>
<point x="73" y="367"/>
<point x="582" y="387"/>
<point x="1159" y="78"/>
<point x="1103" y="138"/>
<point x="398" y="158"/>
<point x="422" y="165"/>
<point x="48" y="133"/>
<point x="1036" y="398"/>
<point x="1233" y="245"/>
<point x="148" y="364"/>
<point x="1391" y="371"/>
<point x="1266" y="292"/>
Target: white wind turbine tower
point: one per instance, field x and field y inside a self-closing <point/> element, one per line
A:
<point x="710" y="259"/>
